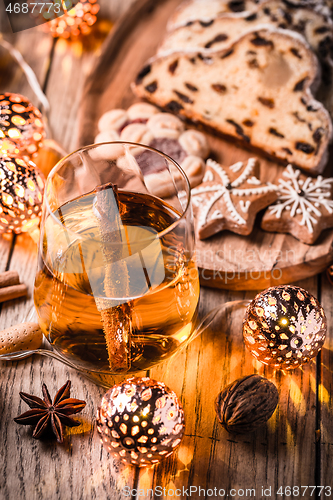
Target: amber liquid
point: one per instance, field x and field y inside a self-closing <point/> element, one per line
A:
<point x="163" y="287"/>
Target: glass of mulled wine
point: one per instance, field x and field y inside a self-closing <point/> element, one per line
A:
<point x="117" y="286"/>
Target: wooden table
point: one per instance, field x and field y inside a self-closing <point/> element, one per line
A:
<point x="294" y="449"/>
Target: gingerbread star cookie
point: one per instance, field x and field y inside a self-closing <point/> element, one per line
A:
<point x="230" y="198"/>
<point x="304" y="207"/>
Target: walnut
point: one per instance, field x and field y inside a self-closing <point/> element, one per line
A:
<point x="246" y="404"/>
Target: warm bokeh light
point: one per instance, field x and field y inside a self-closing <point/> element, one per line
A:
<point x="76" y="21"/>
<point x="284" y="327"/>
<point x="22" y="187"/>
<point x="140" y="421"/>
<point x="21" y="126"/>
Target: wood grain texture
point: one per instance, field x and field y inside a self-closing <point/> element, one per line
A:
<point x="108" y="85"/>
<point x="210" y="457"/>
<point x="226" y="260"/>
<point x="282" y="453"/>
<point x="4" y="251"/>
<point x="41" y="469"/>
<point x="12" y="79"/>
<point x="325" y="389"/>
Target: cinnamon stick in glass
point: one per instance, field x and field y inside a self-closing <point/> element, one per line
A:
<point x="116" y="316"/>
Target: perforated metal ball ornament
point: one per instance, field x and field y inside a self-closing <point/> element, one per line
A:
<point x="74" y="20"/>
<point x="21" y="195"/>
<point x="140" y="421"/>
<point x="284" y="326"/>
<point x="21" y="125"/>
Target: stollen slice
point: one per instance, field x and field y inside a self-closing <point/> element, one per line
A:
<point x="318" y="5"/>
<point x="223" y="30"/>
<point x="206" y="10"/>
<point x="257" y="90"/>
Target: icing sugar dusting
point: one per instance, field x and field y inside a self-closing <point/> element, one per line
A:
<point x="225" y="188"/>
<point x="304" y="198"/>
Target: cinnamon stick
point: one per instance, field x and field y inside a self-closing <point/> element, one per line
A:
<point x="116" y="319"/>
<point x="13" y="292"/>
<point x="9" y="278"/>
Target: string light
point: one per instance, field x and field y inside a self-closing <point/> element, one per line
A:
<point x="76" y="20"/>
<point x="140" y="421"/>
<point x="21" y="126"/>
<point x="21" y="195"/>
<point x="284" y="326"/>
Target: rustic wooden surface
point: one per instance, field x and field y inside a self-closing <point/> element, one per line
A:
<point x="294" y="449"/>
<point x="226" y="260"/>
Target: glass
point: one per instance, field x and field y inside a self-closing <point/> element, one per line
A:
<point x="117" y="286"/>
<point x="227" y="317"/>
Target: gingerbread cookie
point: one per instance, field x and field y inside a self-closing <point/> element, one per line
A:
<point x="144" y="124"/>
<point x="230" y="198"/>
<point x="304" y="207"/>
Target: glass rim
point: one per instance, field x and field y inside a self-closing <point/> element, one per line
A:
<point x="94" y="146"/>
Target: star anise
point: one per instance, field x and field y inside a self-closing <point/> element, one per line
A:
<point x="44" y="413"/>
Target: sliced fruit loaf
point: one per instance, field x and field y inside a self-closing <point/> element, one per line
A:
<point x="319" y="5"/>
<point x="257" y="90"/>
<point x="206" y="10"/>
<point x="316" y="28"/>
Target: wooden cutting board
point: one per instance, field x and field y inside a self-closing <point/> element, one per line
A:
<point x="226" y="260"/>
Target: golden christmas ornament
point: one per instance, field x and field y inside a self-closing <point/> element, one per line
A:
<point x="75" y="19"/>
<point x="21" y="196"/>
<point x="21" y="126"/>
<point x="140" y="421"/>
<point x="284" y="326"/>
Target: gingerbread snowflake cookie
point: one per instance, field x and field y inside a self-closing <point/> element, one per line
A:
<point x="144" y="124"/>
<point x="230" y="198"/>
<point x="304" y="207"/>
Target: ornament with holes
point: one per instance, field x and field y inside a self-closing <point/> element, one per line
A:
<point x="140" y="421"/>
<point x="21" y="195"/>
<point x="284" y="326"/>
<point x="21" y="126"/>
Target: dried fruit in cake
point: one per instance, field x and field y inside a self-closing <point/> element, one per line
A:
<point x="304" y="207"/>
<point x="318" y="5"/>
<point x="257" y="90"/>
<point x="230" y="198"/>
<point x="144" y="124"/>
<point x="316" y="28"/>
<point x="206" y="10"/>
